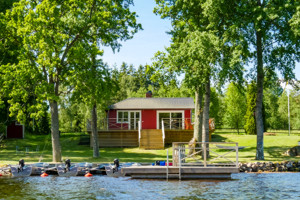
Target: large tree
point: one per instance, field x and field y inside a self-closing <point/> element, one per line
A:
<point x="52" y="33"/>
<point x="271" y="44"/>
<point x="93" y="86"/>
<point x="201" y="35"/>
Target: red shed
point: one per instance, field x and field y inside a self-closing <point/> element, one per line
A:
<point x="15" y="130"/>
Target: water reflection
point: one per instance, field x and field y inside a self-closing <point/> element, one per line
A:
<point x="243" y="186"/>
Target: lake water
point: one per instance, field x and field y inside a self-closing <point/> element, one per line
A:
<point x="242" y="186"/>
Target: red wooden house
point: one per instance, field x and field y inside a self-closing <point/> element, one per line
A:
<point x="149" y="123"/>
<point x="174" y="112"/>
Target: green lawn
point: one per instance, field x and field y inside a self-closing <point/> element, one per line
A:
<point x="275" y="146"/>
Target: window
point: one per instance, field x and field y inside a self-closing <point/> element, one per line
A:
<point x="122" y="116"/>
<point x="172" y="119"/>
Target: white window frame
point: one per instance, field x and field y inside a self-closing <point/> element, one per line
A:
<point x="123" y="111"/>
<point x="168" y="111"/>
<point x="128" y="112"/>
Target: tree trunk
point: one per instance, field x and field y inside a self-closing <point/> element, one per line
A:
<point x="205" y="130"/>
<point x="259" y="97"/>
<point x="198" y="114"/>
<point x="237" y="127"/>
<point x="95" y="132"/>
<point x="56" y="149"/>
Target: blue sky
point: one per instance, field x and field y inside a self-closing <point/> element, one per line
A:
<point x="141" y="49"/>
<point x="145" y="43"/>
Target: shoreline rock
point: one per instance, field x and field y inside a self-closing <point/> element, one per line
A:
<point x="284" y="166"/>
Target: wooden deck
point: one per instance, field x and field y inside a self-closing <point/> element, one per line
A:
<point x="117" y="138"/>
<point x="184" y="172"/>
<point x="178" y="136"/>
<point x="151" y="139"/>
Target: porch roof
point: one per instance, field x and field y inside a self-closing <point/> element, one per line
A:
<point x="155" y="103"/>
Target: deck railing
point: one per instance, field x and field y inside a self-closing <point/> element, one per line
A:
<point x="117" y="124"/>
<point x="184" y="124"/>
<point x="177" y="123"/>
<point x="133" y="124"/>
<point x="205" y="154"/>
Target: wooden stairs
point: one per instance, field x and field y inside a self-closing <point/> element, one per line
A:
<point x="151" y="139"/>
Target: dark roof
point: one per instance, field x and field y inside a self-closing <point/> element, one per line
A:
<point x="155" y="103"/>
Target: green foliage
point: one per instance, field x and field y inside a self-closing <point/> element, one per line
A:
<point x="196" y="57"/>
<point x="53" y="34"/>
<point x="73" y="116"/>
<point x="295" y="22"/>
<point x="42" y="124"/>
<point x="295" y="109"/>
<point x="271" y="97"/>
<point x="136" y="82"/>
<point x="6" y="5"/>
<point x="55" y="38"/>
<point x="216" y="109"/>
<point x="250" y="127"/>
<point x="235" y="106"/>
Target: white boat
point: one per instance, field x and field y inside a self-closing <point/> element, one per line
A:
<point x="112" y="171"/>
<point x="16" y="172"/>
<point x="63" y="171"/>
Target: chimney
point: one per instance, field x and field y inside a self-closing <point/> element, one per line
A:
<point x="149" y="94"/>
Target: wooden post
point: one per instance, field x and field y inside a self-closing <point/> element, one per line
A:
<point x="237" y="155"/>
<point x="167" y="164"/>
<point x="179" y="174"/>
<point x="204" y="153"/>
<point x="175" y="154"/>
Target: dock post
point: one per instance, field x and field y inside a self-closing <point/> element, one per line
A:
<point x="179" y="174"/>
<point x="204" y="152"/>
<point x="237" y="155"/>
<point x="167" y="164"/>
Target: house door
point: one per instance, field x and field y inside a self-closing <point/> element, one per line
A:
<point x="134" y="120"/>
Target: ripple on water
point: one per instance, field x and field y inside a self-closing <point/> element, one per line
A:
<point x="243" y="186"/>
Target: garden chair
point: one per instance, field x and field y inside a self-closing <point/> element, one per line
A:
<point x="18" y="150"/>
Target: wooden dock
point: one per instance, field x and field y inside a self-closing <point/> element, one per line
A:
<point x="200" y="160"/>
<point x="176" y="172"/>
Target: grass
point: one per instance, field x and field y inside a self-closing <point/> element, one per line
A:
<point x="274" y="147"/>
